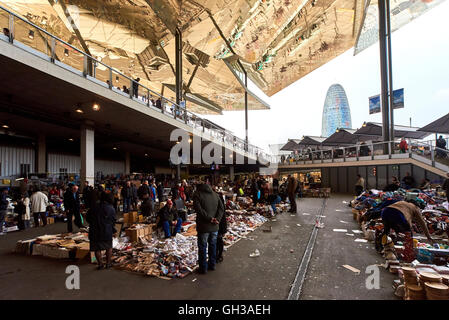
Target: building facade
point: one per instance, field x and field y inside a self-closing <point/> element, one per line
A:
<point x="336" y="112"/>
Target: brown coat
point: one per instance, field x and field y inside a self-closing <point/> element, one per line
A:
<point x="292" y="184"/>
<point x="411" y="213"/>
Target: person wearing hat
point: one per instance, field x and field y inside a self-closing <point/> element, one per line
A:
<point x="400" y="217"/>
<point x="168" y="216"/>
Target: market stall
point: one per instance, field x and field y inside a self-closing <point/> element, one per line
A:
<point x="427" y="276"/>
<point x="140" y="246"/>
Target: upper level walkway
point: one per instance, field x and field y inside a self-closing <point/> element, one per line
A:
<point x="423" y="154"/>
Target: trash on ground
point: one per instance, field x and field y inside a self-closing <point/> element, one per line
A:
<point x="360" y="240"/>
<point x="350" y="234"/>
<point x="298" y="224"/>
<point x="357" y="231"/>
<point x="344" y="221"/>
<point x="306" y="214"/>
<point x="319" y="225"/>
<point x="340" y="230"/>
<point x="355" y="270"/>
<point x="256" y="253"/>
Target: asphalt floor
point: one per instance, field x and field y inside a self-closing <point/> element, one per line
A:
<point x="269" y="276"/>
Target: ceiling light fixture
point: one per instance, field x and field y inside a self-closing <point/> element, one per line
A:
<point x="146" y="154"/>
<point x="5" y="126"/>
<point x="115" y="148"/>
<point x="66" y="52"/>
<point x="116" y="79"/>
<point x="70" y="139"/>
<point x="31" y="34"/>
<point x="79" y="110"/>
<point x="96" y="107"/>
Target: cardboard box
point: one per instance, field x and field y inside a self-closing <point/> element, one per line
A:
<point x="142" y="231"/>
<point x="82" y="250"/>
<point x="125" y="218"/>
<point x="132" y="217"/>
<point x="50" y="220"/>
<point x="140" y="218"/>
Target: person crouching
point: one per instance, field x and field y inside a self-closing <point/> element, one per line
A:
<point x="168" y="216"/>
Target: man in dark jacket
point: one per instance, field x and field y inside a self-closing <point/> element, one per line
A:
<point x="446" y="186"/>
<point x="441" y="145"/>
<point x="101" y="220"/>
<point x="160" y="191"/>
<point x="3" y="207"/>
<point x="127" y="196"/>
<point x="209" y="212"/>
<point x="72" y="207"/>
<point x="168" y="216"/>
<point x="222" y="229"/>
<point x="408" y="181"/>
<point x="255" y="191"/>
<point x="292" y="185"/>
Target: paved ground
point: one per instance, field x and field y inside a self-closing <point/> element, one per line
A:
<point x="326" y="278"/>
<point x="238" y="277"/>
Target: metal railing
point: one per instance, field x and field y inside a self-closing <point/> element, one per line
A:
<point x="421" y="151"/>
<point x="64" y="54"/>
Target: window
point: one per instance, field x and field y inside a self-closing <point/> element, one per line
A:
<point x="24" y="169"/>
<point x="63" y="170"/>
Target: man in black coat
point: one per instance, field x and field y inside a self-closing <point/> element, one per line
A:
<point x="222" y="229"/>
<point x="209" y="211"/>
<point x="101" y="220"/>
<point x="446" y="186"/>
<point x="168" y="216"/>
<point x="72" y="207"/>
<point x="127" y="196"/>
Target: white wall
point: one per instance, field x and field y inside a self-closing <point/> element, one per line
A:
<point x="73" y="164"/>
<point x="12" y="157"/>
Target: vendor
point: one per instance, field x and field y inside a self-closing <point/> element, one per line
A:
<point x="168" y="216"/>
<point x="272" y="200"/>
<point x="400" y="217"/>
<point x="446" y="186"/>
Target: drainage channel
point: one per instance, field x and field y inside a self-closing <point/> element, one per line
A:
<point x="296" y="288"/>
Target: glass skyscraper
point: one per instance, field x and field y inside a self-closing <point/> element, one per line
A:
<point x="336" y="112"/>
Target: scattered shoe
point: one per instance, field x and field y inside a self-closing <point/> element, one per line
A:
<point x="256" y="253"/>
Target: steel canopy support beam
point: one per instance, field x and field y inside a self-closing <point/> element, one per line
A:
<point x="390" y="71"/>
<point x="384" y="73"/>
<point x="246" y="112"/>
<point x="178" y="49"/>
<point x="193" y="75"/>
<point x="243" y="69"/>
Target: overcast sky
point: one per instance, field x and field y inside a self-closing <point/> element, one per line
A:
<point x="420" y="66"/>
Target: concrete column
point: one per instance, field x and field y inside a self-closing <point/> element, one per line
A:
<point x="41" y="154"/>
<point x="128" y="163"/>
<point x="178" y="172"/>
<point x="87" y="153"/>
<point x="231" y="173"/>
